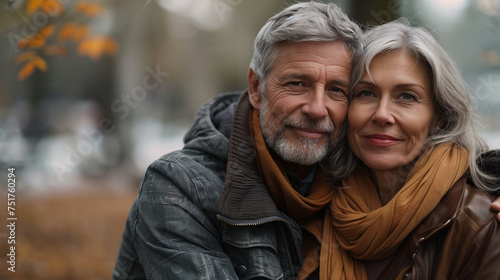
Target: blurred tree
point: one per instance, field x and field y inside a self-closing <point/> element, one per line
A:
<point x="45" y="17"/>
<point x="40" y="33"/>
<point x="375" y="12"/>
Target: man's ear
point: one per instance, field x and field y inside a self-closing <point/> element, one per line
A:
<point x="254" y="92"/>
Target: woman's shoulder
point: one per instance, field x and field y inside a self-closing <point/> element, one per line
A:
<point x="475" y="207"/>
<point x="472" y="237"/>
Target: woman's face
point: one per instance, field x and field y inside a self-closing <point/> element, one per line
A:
<point x="392" y="112"/>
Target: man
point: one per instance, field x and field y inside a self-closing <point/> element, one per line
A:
<point x="245" y="196"/>
<point x="298" y="82"/>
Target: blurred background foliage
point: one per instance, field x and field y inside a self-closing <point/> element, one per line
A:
<point x="91" y="92"/>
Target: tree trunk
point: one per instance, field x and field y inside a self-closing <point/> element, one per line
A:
<point x="374" y="12"/>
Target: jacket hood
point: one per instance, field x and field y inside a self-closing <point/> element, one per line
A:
<point x="207" y="134"/>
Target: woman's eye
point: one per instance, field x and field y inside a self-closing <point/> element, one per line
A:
<point x="408" y="96"/>
<point x="365" y="93"/>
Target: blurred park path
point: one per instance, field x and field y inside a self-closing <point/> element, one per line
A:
<point x="67" y="235"/>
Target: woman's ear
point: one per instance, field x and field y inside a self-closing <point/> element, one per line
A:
<point x="254" y="92"/>
<point x="437" y="124"/>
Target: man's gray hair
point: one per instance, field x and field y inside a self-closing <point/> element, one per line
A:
<point x="302" y="22"/>
<point x="457" y="122"/>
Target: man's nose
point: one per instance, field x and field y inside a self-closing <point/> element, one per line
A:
<point x="315" y="105"/>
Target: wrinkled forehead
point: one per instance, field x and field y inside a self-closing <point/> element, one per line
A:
<point x="336" y="53"/>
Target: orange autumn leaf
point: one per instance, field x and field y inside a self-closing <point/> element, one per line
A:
<point x="33" y="5"/>
<point x="52" y="7"/>
<point x="55" y="50"/>
<point x="89" y="9"/>
<point x="73" y="31"/>
<point x="34" y="42"/>
<point x="47" y="30"/>
<point x="24" y="56"/>
<point x="26" y="71"/>
<point x="66" y="31"/>
<point x="38" y="40"/>
<point x="96" y="46"/>
<point x="40" y="63"/>
<point x="29" y="67"/>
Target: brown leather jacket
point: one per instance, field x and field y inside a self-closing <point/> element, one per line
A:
<point x="460" y="239"/>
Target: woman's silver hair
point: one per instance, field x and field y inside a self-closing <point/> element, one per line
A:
<point x="457" y="122"/>
<point x="302" y="22"/>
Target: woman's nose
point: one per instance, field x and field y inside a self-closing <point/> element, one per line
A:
<point x="383" y="113"/>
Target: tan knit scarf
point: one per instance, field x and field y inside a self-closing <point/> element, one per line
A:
<point x="302" y="209"/>
<point x="366" y="230"/>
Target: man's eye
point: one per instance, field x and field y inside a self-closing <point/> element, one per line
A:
<point x="336" y="89"/>
<point x="295" y="83"/>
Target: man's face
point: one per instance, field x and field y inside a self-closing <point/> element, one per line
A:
<point x="306" y="99"/>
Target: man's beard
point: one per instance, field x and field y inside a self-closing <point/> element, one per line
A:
<point x="307" y="151"/>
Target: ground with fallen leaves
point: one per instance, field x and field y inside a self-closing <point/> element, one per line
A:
<point x="66" y="235"/>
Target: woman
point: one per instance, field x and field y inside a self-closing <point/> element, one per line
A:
<point x="406" y="211"/>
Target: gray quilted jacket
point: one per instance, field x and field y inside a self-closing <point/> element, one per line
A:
<point x="189" y="222"/>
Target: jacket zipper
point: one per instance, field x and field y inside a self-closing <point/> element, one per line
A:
<point x="256" y="222"/>
<point x="398" y="270"/>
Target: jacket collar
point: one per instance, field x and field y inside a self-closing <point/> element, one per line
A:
<point x="445" y="212"/>
<point x="245" y="196"/>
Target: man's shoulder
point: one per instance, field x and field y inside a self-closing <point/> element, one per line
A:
<point x="187" y="164"/>
<point x="198" y="170"/>
<point x="184" y="173"/>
